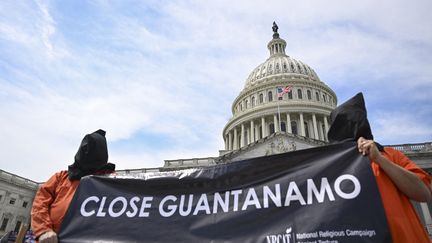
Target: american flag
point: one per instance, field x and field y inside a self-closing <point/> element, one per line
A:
<point x="281" y="91"/>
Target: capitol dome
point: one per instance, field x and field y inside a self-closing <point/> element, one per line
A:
<point x="281" y="95"/>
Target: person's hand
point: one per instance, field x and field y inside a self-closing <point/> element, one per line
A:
<point x="48" y="237"/>
<point x="369" y="148"/>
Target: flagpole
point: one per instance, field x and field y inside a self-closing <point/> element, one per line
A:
<point x="280" y="128"/>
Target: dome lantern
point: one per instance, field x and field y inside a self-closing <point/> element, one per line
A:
<point x="277" y="45"/>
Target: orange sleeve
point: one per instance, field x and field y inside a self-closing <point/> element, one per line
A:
<point x="40" y="215"/>
<point x="403" y="161"/>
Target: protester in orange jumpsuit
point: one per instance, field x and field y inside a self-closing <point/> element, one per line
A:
<point x="398" y="178"/>
<point x="54" y="196"/>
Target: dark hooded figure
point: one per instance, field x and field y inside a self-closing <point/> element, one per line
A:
<point x="398" y="178"/>
<point x="349" y="121"/>
<point x="54" y="196"/>
<point x="92" y="156"/>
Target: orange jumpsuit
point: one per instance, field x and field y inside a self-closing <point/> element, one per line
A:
<point x="404" y="224"/>
<point x="51" y="202"/>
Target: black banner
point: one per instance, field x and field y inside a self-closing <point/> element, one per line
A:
<point x="325" y="194"/>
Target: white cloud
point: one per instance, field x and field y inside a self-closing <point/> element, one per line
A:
<point x="400" y="128"/>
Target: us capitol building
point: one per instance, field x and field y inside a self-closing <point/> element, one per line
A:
<point x="263" y="123"/>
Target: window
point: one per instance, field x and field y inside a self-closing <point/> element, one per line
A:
<point x="17" y="226"/>
<point x="299" y="94"/>
<point x="4" y="224"/>
<point x="1" y="196"/>
<point x="283" y="127"/>
<point x="241" y="106"/>
<point x="253" y="101"/>
<point x="270" y="96"/>
<point x="272" y="128"/>
<point x="324" y="98"/>
<point x="12" y="201"/>
<point x="284" y="66"/>
<point x="25" y="204"/>
<point x="246" y="104"/>
<point x="294" y="127"/>
<point x="309" y="95"/>
<point x="290" y="95"/>
<point x="261" y="98"/>
<point x="317" y="96"/>
<point x="298" y="68"/>
<point x="292" y="67"/>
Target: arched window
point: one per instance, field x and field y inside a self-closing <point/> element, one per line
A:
<point x="261" y="98"/>
<point x="272" y="128"/>
<point x="299" y="94"/>
<point x="241" y="106"/>
<point x="298" y="68"/>
<point x="306" y="129"/>
<point x="270" y="96"/>
<point x="309" y="95"/>
<point x="277" y="65"/>
<point x="283" y="127"/>
<point x="292" y="67"/>
<point x="294" y="127"/>
<point x="284" y="66"/>
<point x="324" y="98"/>
<point x="317" y="96"/>
<point x="290" y="95"/>
<point x="253" y="101"/>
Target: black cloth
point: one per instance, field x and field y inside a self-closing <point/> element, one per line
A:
<point x="349" y="122"/>
<point x="92" y="156"/>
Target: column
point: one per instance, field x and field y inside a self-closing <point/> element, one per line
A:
<point x="242" y="138"/>
<point x="226" y="141"/>
<point x="263" y="128"/>
<point x="314" y="122"/>
<point x="302" y="128"/>
<point x="288" y="125"/>
<point x="235" y="139"/>
<point x="252" y="129"/>
<point x="276" y="123"/>
<point x="326" y="127"/>
<point x="320" y="130"/>
<point x="230" y="145"/>
<point x="426" y="215"/>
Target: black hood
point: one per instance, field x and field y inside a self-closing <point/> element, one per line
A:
<point x="349" y="122"/>
<point x="92" y="156"/>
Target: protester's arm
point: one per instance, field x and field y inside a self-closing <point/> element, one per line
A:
<point x="406" y="181"/>
<point x="40" y="218"/>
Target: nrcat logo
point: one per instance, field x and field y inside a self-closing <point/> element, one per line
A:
<point x="280" y="238"/>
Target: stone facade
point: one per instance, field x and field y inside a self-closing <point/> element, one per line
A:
<point x="16" y="198"/>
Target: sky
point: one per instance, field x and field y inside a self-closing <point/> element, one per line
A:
<point x="160" y="76"/>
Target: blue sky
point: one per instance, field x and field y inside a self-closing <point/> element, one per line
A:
<point x="160" y="76"/>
